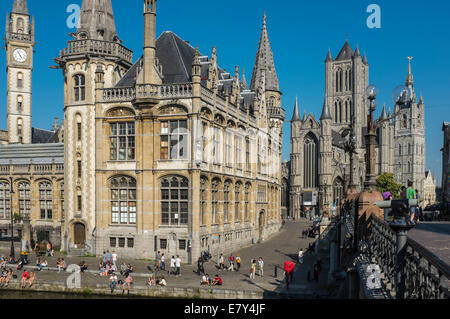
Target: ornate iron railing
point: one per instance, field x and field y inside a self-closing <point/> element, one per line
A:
<point x="427" y="276"/>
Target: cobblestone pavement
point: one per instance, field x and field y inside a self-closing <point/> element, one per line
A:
<point x="434" y="236"/>
<point x="275" y="251"/>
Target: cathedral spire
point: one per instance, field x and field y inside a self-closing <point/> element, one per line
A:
<point x="409" y="77"/>
<point x="264" y="61"/>
<point x="365" y="59"/>
<point x="296" y="116"/>
<point x="384" y="115"/>
<point x="329" y="56"/>
<point x="97" y="21"/>
<point x="20" y="6"/>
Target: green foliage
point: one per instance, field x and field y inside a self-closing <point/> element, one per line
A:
<point x="17" y="217"/>
<point x="386" y="183"/>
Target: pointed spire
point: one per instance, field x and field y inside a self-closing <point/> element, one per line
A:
<point x="329" y="56"/>
<point x="296" y="116"/>
<point x="97" y="21"/>
<point x="304" y="115"/>
<point x="421" y="99"/>
<point x="243" y="81"/>
<point x="20" y="6"/>
<point x="357" y="53"/>
<point x="326" y="114"/>
<point x="196" y="65"/>
<point x="384" y="115"/>
<point x="264" y="61"/>
<point x="409" y="77"/>
<point x="364" y="60"/>
<point x="346" y="52"/>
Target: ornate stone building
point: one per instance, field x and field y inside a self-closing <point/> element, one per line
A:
<point x="31" y="159"/>
<point x="320" y="168"/>
<point x="429" y="190"/>
<point x="171" y="153"/>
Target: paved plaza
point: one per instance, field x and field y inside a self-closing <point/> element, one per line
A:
<point x="280" y="248"/>
<point x="434" y="236"/>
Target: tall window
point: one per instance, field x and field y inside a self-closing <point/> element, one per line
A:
<point x="237" y="201"/>
<point x="214" y="200"/>
<point x="20" y="128"/>
<point x="405" y="121"/>
<point x="202" y="200"/>
<point x="79" y="87"/>
<point x="238" y="160"/>
<point x="205" y="141"/>
<point x="45" y="198"/>
<point x="19" y="103"/>
<point x="79" y="131"/>
<point x="62" y="199"/>
<point x="174" y="201"/>
<point x="174" y="140"/>
<point x="217" y="151"/>
<point x="20" y="80"/>
<point x="229" y="149"/>
<point x="226" y="203"/>
<point x="246" y="201"/>
<point x="409" y="149"/>
<point x="310" y="161"/>
<point x="79" y="168"/>
<point x="122" y="143"/>
<point x="123" y="200"/>
<point x="5" y="200"/>
<point x="338" y="190"/>
<point x="79" y="203"/>
<point x="336" y="113"/>
<point x="399" y="149"/>
<point x="247" y="154"/>
<point x="271" y="101"/>
<point x="20" y="26"/>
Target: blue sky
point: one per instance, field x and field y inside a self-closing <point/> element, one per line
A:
<point x="301" y="32"/>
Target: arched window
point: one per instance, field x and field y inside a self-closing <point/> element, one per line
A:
<point x="237" y="202"/>
<point x="20" y="25"/>
<point x="346" y="112"/>
<point x="214" y="200"/>
<point x="336" y="113"/>
<point x="272" y="101"/>
<point x="79" y="87"/>
<point x="341" y="82"/>
<point x="337" y="81"/>
<point x="123" y="200"/>
<point x="346" y="80"/>
<point x="5" y="200"/>
<point x="340" y="112"/>
<point x="404" y="121"/>
<point x="24" y="199"/>
<point x="20" y="130"/>
<point x="19" y="103"/>
<point x="203" y="208"/>
<point x="409" y="149"/>
<point x="399" y="149"/>
<point x="338" y="190"/>
<point x="174" y="200"/>
<point x="310" y="162"/>
<point x="45" y="199"/>
<point x="246" y="201"/>
<point x="350" y="79"/>
<point x="20" y="80"/>
<point x="226" y="200"/>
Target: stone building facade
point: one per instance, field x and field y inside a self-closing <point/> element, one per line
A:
<point x="320" y="167"/>
<point x="429" y="190"/>
<point x="171" y="153"/>
<point x="31" y="159"/>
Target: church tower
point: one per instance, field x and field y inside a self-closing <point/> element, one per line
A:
<point x="19" y="44"/>
<point x="346" y="80"/>
<point x="410" y="138"/>
<point x="86" y="72"/>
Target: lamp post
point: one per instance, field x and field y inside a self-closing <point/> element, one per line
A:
<point x="12" y="219"/>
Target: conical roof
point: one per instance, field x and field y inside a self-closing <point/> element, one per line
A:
<point x="244" y="86"/>
<point x="364" y="60"/>
<point x="384" y="115"/>
<point x="97" y="20"/>
<point x="326" y="114"/>
<point x="264" y="61"/>
<point x="346" y="52"/>
<point x="296" y="115"/>
<point x="329" y="56"/>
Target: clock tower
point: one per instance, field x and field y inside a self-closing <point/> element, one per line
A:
<point x="19" y="54"/>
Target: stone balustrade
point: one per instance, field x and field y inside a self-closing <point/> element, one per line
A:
<point x="19" y="36"/>
<point x="30" y="169"/>
<point x="276" y="112"/>
<point x="99" y="47"/>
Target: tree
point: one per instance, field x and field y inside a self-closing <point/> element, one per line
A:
<point x="386" y="183"/>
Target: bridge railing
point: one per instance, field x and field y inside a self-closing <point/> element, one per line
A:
<point x="427" y="276"/>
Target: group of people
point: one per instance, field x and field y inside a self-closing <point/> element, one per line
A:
<point x="257" y="265"/>
<point x="175" y="264"/>
<point x="206" y="281"/>
<point x="405" y="193"/>
<point x="7" y="274"/>
<point x="233" y="263"/>
<point x="156" y="281"/>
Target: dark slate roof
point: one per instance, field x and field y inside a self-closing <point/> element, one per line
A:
<point x="40" y="136"/>
<point x="37" y="153"/>
<point x="129" y="78"/>
<point x="346" y="52"/>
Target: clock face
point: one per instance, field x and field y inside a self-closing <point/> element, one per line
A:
<point x="20" y="55"/>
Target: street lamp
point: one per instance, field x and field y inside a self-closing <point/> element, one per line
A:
<point x="12" y="219"/>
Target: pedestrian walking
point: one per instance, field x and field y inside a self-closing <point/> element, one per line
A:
<point x="163" y="262"/>
<point x="114" y="259"/>
<point x="158" y="261"/>
<point x="172" y="266"/>
<point x="300" y="256"/>
<point x="252" y="269"/>
<point x="231" y="263"/>
<point x="112" y="282"/>
<point x="221" y="262"/>
<point x="411" y="194"/>
<point x="261" y="267"/>
<point x="200" y="270"/>
<point x="238" y="262"/>
<point x="178" y="265"/>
